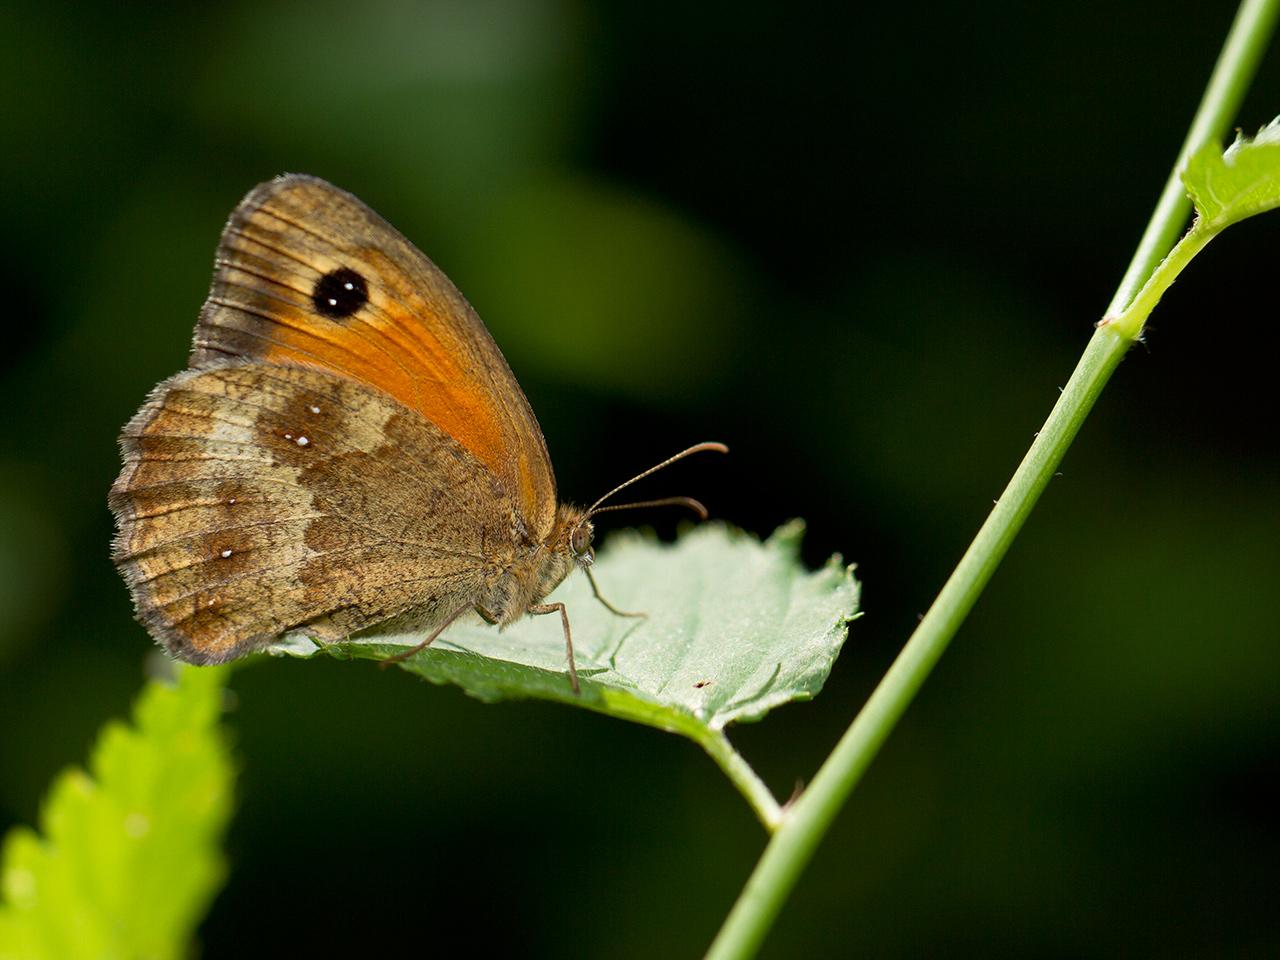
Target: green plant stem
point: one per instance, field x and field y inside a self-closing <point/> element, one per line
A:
<point x="806" y="822"/>
<point x="1130" y="322"/>
<point x="1237" y="63"/>
<point x="744" y="778"/>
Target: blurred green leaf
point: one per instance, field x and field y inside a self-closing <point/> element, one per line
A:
<point x="127" y="859"/>
<point x="735" y="627"/>
<point x="33" y="555"/>
<point x="438" y="102"/>
<point x="593" y="284"/>
<point x="1243" y="181"/>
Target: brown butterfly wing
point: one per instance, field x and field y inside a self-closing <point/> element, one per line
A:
<point x="258" y="498"/>
<point x="307" y="275"/>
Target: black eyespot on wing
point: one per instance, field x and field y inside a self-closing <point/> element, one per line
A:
<point x="340" y="293"/>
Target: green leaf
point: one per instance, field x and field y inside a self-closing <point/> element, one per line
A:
<point x="127" y="859"/>
<point x="734" y="628"/>
<point x="1243" y="181"/>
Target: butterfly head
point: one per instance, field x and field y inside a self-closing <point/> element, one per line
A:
<point x="572" y="536"/>
<point x="577" y="522"/>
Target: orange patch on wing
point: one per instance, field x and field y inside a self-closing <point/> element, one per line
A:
<point x="441" y="391"/>
<point x="413" y="336"/>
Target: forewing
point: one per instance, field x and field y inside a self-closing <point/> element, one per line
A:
<point x="282" y="292"/>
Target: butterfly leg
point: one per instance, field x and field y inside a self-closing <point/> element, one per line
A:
<point x="595" y="589"/>
<point x="541" y="608"/>
<point x="406" y="654"/>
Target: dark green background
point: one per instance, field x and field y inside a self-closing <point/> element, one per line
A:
<point x="864" y="249"/>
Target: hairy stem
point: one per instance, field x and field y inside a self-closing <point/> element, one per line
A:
<point x="807" y="821"/>
<point x="744" y="778"/>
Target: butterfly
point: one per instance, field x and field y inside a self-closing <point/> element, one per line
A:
<point x="347" y="448"/>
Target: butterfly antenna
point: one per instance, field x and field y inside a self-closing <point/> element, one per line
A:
<point x="687" y="501"/>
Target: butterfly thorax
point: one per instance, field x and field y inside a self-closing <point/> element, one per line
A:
<point x="532" y="575"/>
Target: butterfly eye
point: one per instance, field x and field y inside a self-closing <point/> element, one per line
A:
<point x="580" y="543"/>
<point x="340" y="293"/>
